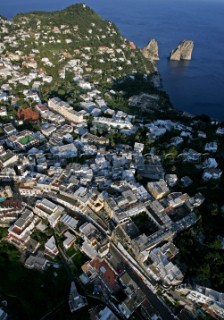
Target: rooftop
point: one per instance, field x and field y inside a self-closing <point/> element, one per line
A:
<point x="106" y="273"/>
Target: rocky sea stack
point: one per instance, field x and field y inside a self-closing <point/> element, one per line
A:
<point x="151" y="50"/>
<point x="183" y="51"/>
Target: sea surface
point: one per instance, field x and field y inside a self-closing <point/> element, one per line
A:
<point x="196" y="86"/>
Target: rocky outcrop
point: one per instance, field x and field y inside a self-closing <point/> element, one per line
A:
<point x="183" y="51"/>
<point x="151" y="50"/>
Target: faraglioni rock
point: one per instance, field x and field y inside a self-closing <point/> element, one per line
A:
<point x="151" y="50"/>
<point x="183" y="51"/>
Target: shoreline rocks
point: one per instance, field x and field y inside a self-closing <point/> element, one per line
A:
<point x="183" y="51"/>
<point x="150" y="51"/>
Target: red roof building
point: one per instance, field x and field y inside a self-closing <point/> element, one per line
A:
<point x="28" y="114"/>
<point x="105" y="273"/>
<point x="132" y="45"/>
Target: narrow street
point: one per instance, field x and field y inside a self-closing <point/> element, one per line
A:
<point x="153" y="298"/>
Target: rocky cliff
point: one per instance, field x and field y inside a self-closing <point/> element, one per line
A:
<point x="151" y="50"/>
<point x="183" y="51"/>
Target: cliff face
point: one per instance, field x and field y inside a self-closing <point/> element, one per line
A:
<point x="183" y="51"/>
<point x="151" y="50"/>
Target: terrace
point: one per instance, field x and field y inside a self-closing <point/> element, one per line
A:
<point x="25" y="140"/>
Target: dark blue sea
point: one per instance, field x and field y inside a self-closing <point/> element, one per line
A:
<point x="196" y="86"/>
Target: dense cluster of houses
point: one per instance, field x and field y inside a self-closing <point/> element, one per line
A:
<point x="65" y="174"/>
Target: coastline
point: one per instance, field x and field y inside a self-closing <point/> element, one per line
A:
<point x="190" y="88"/>
<point x="99" y="157"/>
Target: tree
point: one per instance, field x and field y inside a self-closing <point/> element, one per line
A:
<point x="61" y="92"/>
<point x="216" y="244"/>
<point x="203" y="272"/>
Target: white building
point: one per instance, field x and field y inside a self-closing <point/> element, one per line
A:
<point x="64" y="109"/>
<point x="65" y="151"/>
<point x="48" y="210"/>
<point x="115" y="123"/>
<point x="211" y="146"/>
<point x="51" y="247"/>
<point x="211" y="173"/>
<point x="8" y="158"/>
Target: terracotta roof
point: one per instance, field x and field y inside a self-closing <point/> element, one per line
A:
<point x="42" y="107"/>
<point x="106" y="273"/>
<point x="132" y="45"/>
<point x="23" y="186"/>
<point x="28" y="114"/>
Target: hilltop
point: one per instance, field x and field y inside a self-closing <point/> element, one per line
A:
<point x="52" y="51"/>
<point x="75" y="32"/>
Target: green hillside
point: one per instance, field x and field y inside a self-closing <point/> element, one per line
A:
<point x="78" y="32"/>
